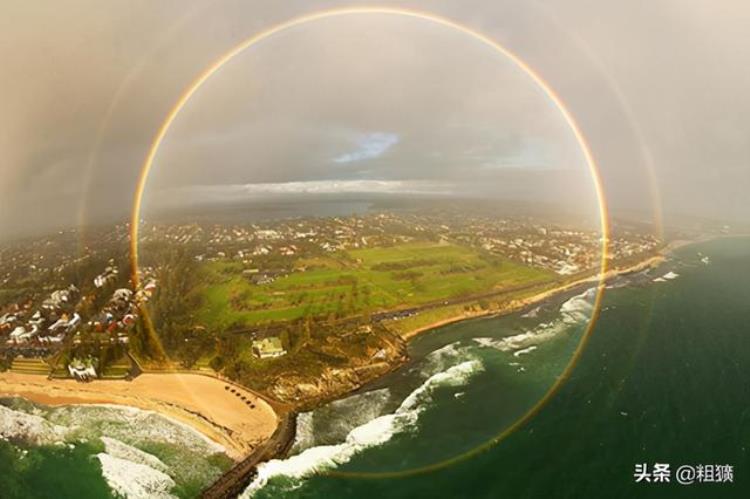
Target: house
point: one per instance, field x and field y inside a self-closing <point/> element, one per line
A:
<point x="74" y="321"/>
<point x="82" y="371"/>
<point x="109" y="274"/>
<point x="52" y="339"/>
<point x="268" y="348"/>
<point x="7" y="321"/>
<point x="18" y="335"/>
<point x="65" y="323"/>
<point x="261" y="250"/>
<point x="62" y="322"/>
<point x="101" y="320"/>
<point x="59" y="298"/>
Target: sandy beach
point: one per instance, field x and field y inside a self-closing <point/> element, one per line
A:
<point x="518" y="304"/>
<point x="205" y="403"/>
<point x="202" y="402"/>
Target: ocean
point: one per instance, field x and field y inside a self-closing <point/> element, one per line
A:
<point x="664" y="379"/>
<point x="101" y="451"/>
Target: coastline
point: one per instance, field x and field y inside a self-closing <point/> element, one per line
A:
<point x="519" y="304"/>
<point x="221" y="416"/>
<point x="241" y="475"/>
<point x="198" y="401"/>
<point x="206" y="405"/>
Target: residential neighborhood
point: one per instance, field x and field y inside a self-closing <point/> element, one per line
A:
<point x="61" y="296"/>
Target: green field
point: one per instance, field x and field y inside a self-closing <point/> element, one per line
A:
<point x="355" y="282"/>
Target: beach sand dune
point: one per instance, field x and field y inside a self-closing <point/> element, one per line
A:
<point x="202" y="402"/>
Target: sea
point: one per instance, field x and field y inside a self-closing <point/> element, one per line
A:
<point x="664" y="380"/>
<point x="101" y="451"/>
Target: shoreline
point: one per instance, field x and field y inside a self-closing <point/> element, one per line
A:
<point x="217" y="414"/>
<point x="200" y="402"/>
<point x="239" y="443"/>
<point x="515" y="305"/>
<point x="518" y="304"/>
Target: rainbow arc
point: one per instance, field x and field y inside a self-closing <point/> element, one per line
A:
<point x="479" y="37"/>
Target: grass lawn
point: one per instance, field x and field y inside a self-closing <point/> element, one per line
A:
<point x="357" y="281"/>
<point x="434" y="315"/>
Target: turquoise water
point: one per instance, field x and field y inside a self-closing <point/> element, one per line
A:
<point x="665" y="378"/>
<point x="45" y="472"/>
<point x="57" y="453"/>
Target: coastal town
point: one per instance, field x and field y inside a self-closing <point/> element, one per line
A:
<point x="268" y="320"/>
<point x="69" y="306"/>
<point x="564" y="250"/>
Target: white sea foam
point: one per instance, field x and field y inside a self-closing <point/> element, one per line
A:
<point x="121" y="450"/>
<point x="509" y="343"/>
<point x="579" y="307"/>
<point x="575" y="311"/>
<point x="304" y="433"/>
<point x="135" y="480"/>
<point x="123" y="430"/>
<point x="361" y="407"/>
<point x="373" y="433"/>
<point x="18" y="425"/>
<point x="667" y="277"/>
<point x="131" y="424"/>
<point x="524" y="351"/>
<point x="442" y="358"/>
<point x="457" y="375"/>
<point x="337" y="419"/>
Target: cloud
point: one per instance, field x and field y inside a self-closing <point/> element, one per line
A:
<point x="375" y="97"/>
<point x="369" y="146"/>
<point x="228" y="193"/>
<point x="530" y="152"/>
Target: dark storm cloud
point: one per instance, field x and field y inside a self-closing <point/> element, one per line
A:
<point x="371" y="100"/>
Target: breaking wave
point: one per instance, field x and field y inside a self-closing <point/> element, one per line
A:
<point x="574" y="312"/>
<point x="333" y="422"/>
<point x="121" y="450"/>
<point x="370" y="434"/>
<point x="134" y="473"/>
<point x="131" y="439"/>
<point x="442" y="358"/>
<point x="135" y="480"/>
<point x="524" y="351"/>
<point x="667" y="277"/>
<point x="31" y="428"/>
<point x="130" y="424"/>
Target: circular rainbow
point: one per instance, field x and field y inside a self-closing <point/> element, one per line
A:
<point x="204" y="76"/>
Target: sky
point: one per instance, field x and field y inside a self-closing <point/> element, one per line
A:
<point x="373" y="104"/>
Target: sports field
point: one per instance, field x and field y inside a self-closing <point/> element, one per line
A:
<point x="356" y="282"/>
